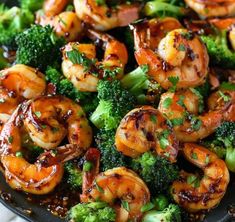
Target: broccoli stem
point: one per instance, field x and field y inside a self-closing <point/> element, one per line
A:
<point x="152" y="8"/>
<point x="230" y="158"/>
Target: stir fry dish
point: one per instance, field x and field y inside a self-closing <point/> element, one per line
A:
<point x="129" y="105"/>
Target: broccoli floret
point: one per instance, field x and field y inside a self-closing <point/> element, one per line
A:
<point x="13" y="21"/>
<point x="156" y="171"/>
<point x="87" y="100"/>
<point x="114" y="103"/>
<point x="110" y="157"/>
<point x="38" y="47"/>
<point x="222" y="142"/>
<point x="92" y="212"/>
<point x="173" y="8"/>
<point x="31" y="5"/>
<point x="170" y="214"/>
<point x="218" y="49"/>
<point x="138" y="83"/>
<point x="74" y="175"/>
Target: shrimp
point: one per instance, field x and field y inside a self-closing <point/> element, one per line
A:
<point x="103" y="18"/>
<point x="19" y="173"/>
<point x="182" y="108"/>
<point x="65" y="24"/>
<point x="180" y="54"/>
<point x="49" y="119"/>
<point x="18" y="83"/>
<point x="143" y="129"/>
<point x="85" y="75"/>
<point x="194" y="194"/>
<point x="223" y="100"/>
<point x="54" y="7"/>
<point x="212" y="8"/>
<point x="124" y="185"/>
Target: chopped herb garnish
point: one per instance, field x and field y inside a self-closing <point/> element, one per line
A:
<point x="19" y="154"/>
<point x="200" y="99"/>
<point x="195" y="123"/>
<point x="10" y="139"/>
<point x="228" y="86"/>
<point x="181" y="101"/>
<point x="193" y="180"/>
<point x="167" y="102"/>
<point x="54" y="129"/>
<point x="153" y="118"/>
<point x="181" y="47"/>
<point x="226" y="98"/>
<point x="100" y="189"/>
<point x="177" y="121"/>
<point x="174" y="80"/>
<point x="110" y="73"/>
<point x="125" y="205"/>
<point x="207" y="161"/>
<point x="87" y="166"/>
<point x="194" y="156"/>
<point x="100" y="2"/>
<point x="38" y="114"/>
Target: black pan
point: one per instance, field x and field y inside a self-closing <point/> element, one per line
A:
<point x="33" y="212"/>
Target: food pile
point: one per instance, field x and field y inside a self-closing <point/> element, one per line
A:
<point x="131" y="104"/>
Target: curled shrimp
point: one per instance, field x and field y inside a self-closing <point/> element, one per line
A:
<point x="180" y="54"/>
<point x="54" y="7"/>
<point x="212" y="8"/>
<point x="18" y="83"/>
<point x="223" y="100"/>
<point x="143" y="129"/>
<point x="183" y="109"/>
<point x="85" y="76"/>
<point x="103" y="18"/>
<point x="194" y="194"/>
<point x="49" y="119"/>
<point x="124" y="185"/>
<point x="19" y="173"/>
<point x="65" y="24"/>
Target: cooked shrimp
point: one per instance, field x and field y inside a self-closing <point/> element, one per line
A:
<point x="48" y="119"/>
<point x="18" y="83"/>
<point x="194" y="194"/>
<point x="183" y="109"/>
<point x="103" y="18"/>
<point x="143" y="129"/>
<point x="223" y="100"/>
<point x="66" y="24"/>
<point x="179" y="54"/>
<point x="54" y="7"/>
<point x="123" y="185"/>
<point x="212" y="8"/>
<point x="85" y="76"/>
<point x="21" y="175"/>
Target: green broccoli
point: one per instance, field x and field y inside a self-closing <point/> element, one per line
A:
<point x="170" y="214"/>
<point x="138" y="83"/>
<point x="156" y="171"/>
<point x="31" y="5"/>
<point x="114" y="103"/>
<point x="12" y="22"/>
<point x="222" y="142"/>
<point x="38" y="47"/>
<point x="87" y="100"/>
<point x="218" y="49"/>
<point x="173" y="8"/>
<point x="110" y="157"/>
<point x="92" y="212"/>
<point x="74" y="175"/>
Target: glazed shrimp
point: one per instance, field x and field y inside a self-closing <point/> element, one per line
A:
<point x="21" y="175"/>
<point x="54" y="7"/>
<point x="212" y="8"/>
<point x="65" y="24"/>
<point x="183" y="109"/>
<point x="85" y="76"/>
<point x="223" y="100"/>
<point x="143" y="129"/>
<point x="179" y="54"/>
<point x="103" y="18"/>
<point x="124" y="185"/>
<point x="18" y="83"/>
<point x="195" y="195"/>
<point x="49" y="119"/>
